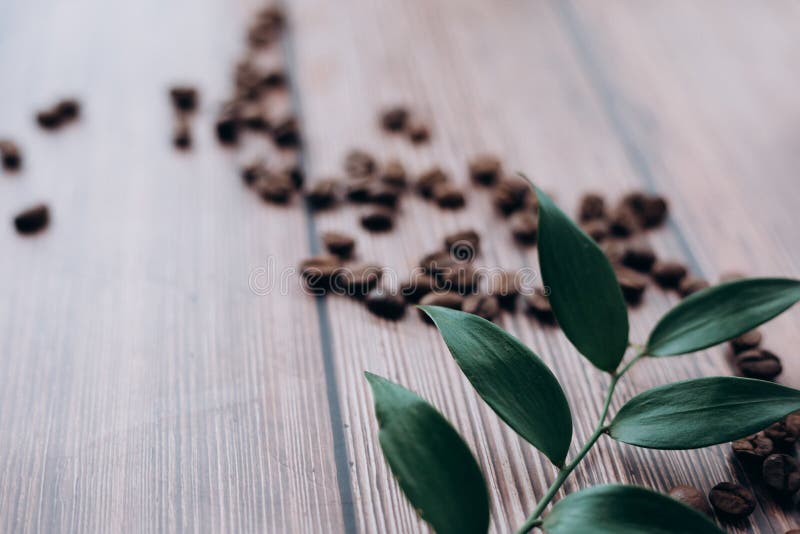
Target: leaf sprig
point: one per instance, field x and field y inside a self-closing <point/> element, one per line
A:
<point x="440" y="476"/>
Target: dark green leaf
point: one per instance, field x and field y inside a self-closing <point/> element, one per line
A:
<point x="720" y="313"/>
<point x="619" y="509"/>
<point x="702" y="412"/>
<point x="432" y="464"/>
<point x="510" y="378"/>
<point x="585" y="294"/>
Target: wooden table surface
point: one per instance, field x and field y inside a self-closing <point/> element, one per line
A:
<point x="146" y="386"/>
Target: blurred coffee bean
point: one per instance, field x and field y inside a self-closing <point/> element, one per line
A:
<point x="592" y="206"/>
<point x="668" y="274"/>
<point x="416" y="286"/>
<point x="525" y="227"/>
<point x="511" y="194"/>
<point x="485" y="306"/>
<point x="338" y="243"/>
<point x="386" y="304"/>
<point x="538" y="305"/>
<point x="639" y="255"/>
<point x="418" y="132"/>
<point x="463" y="245"/>
<point x="485" y="169"/>
<point x="597" y="229"/>
<point x="505" y="285"/>
<point x="394" y="119"/>
<point x="323" y="194"/>
<point x="394" y="174"/>
<point x="320" y="272"/>
<point x="360" y="280"/>
<point x="32" y="219"/>
<point x="10" y="155"/>
<point x="378" y="219"/>
<point x="358" y="189"/>
<point x="429" y="180"/>
<point x="359" y="164"/>
<point x="184" y="98"/>
<point x="286" y="133"/>
<point x="383" y="194"/>
<point x="448" y="196"/>
<point x="691" y="284"/>
<point x="748" y="340"/>
<point x="182" y="135"/>
<point x="632" y="283"/>
<point x="622" y="222"/>
<point x="274" y="187"/>
<point x="446" y="300"/>
<point x="759" y="363"/>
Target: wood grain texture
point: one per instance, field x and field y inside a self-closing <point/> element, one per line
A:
<point x="146" y="387"/>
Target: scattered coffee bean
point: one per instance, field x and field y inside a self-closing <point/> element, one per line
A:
<point x="668" y="274"/>
<point x="780" y="474"/>
<point x="592" y="206"/>
<point x="632" y="283"/>
<point x="752" y="450"/>
<point x="227" y="126"/>
<point x="654" y="211"/>
<point x="295" y="172"/>
<point x="323" y="194"/>
<point x="692" y="284"/>
<point x="383" y="194"/>
<point x="266" y="27"/>
<point x="485" y="169"/>
<point x="68" y="109"/>
<point x="510" y="195"/>
<point x="48" y="119"/>
<point x="639" y="255"/>
<point x="784" y="433"/>
<point x="446" y="300"/>
<point x="461" y="277"/>
<point x="448" y="196"/>
<point x="525" y="227"/>
<point x="691" y="497"/>
<point x="428" y="181"/>
<point x="358" y="189"/>
<point x="634" y="201"/>
<point x="253" y="172"/>
<point x="32" y="219"/>
<point x="10" y="155"/>
<point x="340" y="244"/>
<point x="182" y="135"/>
<point x="184" y="98"/>
<point x="417" y="286"/>
<point x="286" y="133"/>
<point x="274" y="79"/>
<point x="759" y="363"/>
<point x="378" y="219"/>
<point x="320" y="272"/>
<point x="359" y="164"/>
<point x="418" y="132"/>
<point x="394" y="174"/>
<point x="463" y="245"/>
<point x="622" y="222"/>
<point x="485" y="306"/>
<point x="277" y="188"/>
<point x="538" y="305"/>
<point x="748" y="340"/>
<point x="253" y="116"/>
<point x="732" y="501"/>
<point x="394" y="119"/>
<point x="505" y="285"/>
<point x="597" y="229"/>
<point x="437" y="263"/>
<point x="614" y="250"/>
<point x="386" y="304"/>
<point x="360" y="280"/>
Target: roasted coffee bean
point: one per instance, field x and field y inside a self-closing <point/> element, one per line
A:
<point x="394" y="174"/>
<point x="254" y="117"/>
<point x="68" y="109"/>
<point x="525" y="227"/>
<point x="32" y="219"/>
<point x="592" y="206"/>
<point x="286" y="133"/>
<point x="320" y="273"/>
<point x="383" y="194"/>
<point x="793" y="531"/>
<point x="48" y="119"/>
<point x="448" y="196"/>
<point x="654" y="211"/>
<point x="759" y="363"/>
<point x="463" y="245"/>
<point x="485" y="306"/>
<point x="182" y="134"/>
<point x="692" y="497"/>
<point x="632" y="283"/>
<point x="511" y="194"/>
<point x="323" y="194"/>
<point x="359" y="164"/>
<point x="277" y="188"/>
<point x="378" y="219"/>
<point x="461" y="277"/>
<point x="418" y="132"/>
<point x="748" y="340"/>
<point x="10" y="155"/>
<point x="274" y="79"/>
<point x="597" y="229"/>
<point x="295" y="172"/>
<point x="360" y="280"/>
<point x="780" y="474"/>
<point x="386" y="304"/>
<point x="485" y="169"/>
<point x="429" y="180"/>
<point x="614" y="250"/>
<point x="446" y="300"/>
<point x="639" y="256"/>
<point x="505" y="285"/>
<point x="253" y="172"/>
<point x="634" y="201"/>
<point x="668" y="274"/>
<point x="358" y="189"/>
<point x="622" y="222"/>
<point x="394" y="119"/>
<point x="538" y="305"/>
<point x="184" y="98"/>
<point x="691" y="284"/>
<point x="339" y="244"/>
<point x="752" y="450"/>
<point x="732" y="501"/>
<point x="438" y="262"/>
<point x="417" y="286"/>
<point x="784" y="433"/>
<point x="266" y="27"/>
<point x="228" y="124"/>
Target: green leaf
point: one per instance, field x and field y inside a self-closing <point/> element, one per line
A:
<point x="620" y="509"/>
<point x="510" y="378"/>
<point x="585" y="294"/>
<point x="702" y="412"/>
<point x="720" y="313"/>
<point x="432" y="464"/>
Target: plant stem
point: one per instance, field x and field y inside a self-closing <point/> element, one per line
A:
<point x="601" y="428"/>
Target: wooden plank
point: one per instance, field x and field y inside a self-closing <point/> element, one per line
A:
<point x="145" y="386"/>
<point x="506" y="77"/>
